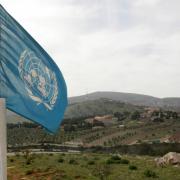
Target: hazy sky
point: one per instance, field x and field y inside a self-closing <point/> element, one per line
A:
<point x="108" y="45"/>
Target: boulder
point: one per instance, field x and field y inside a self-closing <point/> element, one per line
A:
<point x="160" y="162"/>
<point x="171" y="158"/>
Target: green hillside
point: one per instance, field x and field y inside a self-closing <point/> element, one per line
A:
<point x="86" y="108"/>
<point x="98" y="107"/>
<point x="131" y="98"/>
<point x="87" y="166"/>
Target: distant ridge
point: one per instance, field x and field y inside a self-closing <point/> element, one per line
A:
<point x="135" y="99"/>
<point x="86" y="105"/>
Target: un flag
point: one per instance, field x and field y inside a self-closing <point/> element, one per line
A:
<point x="29" y="79"/>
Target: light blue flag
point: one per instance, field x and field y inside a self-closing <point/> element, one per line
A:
<point x="29" y="79"/>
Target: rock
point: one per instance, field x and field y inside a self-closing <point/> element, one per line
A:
<point x="160" y="162"/>
<point x="171" y="158"/>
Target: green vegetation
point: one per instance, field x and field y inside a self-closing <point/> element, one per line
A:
<point x="60" y="160"/>
<point x="132" y="132"/>
<point x="114" y="160"/>
<point x="99" y="130"/>
<point x="135" y="115"/>
<point x="128" y="125"/>
<point x="87" y="166"/>
<point x="132" y="167"/>
<point x="91" y="162"/>
<point x="98" y="107"/>
<point x="117" y="160"/>
<point x="150" y="173"/>
<point x="72" y="161"/>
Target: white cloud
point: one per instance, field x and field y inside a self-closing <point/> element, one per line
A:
<point x="115" y="45"/>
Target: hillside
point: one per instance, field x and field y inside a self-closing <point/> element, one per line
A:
<point x="102" y="122"/>
<point x="135" y="99"/>
<point x="98" y="107"/>
<point x="87" y="166"/>
<point x="99" y="103"/>
<point x="85" y="109"/>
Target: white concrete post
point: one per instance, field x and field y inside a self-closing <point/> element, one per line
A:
<point x="3" y="141"/>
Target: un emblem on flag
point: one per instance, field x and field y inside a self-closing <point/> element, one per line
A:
<point x="40" y="82"/>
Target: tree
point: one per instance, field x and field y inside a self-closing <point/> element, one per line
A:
<point x="120" y="116"/>
<point x="135" y="115"/>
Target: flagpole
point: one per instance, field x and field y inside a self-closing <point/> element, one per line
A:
<point x="3" y="141"/>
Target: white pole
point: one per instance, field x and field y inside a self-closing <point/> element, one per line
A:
<point x="3" y="141"/>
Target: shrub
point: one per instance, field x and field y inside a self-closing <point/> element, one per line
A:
<point x="150" y="173"/>
<point x="132" y="167"/>
<point x="72" y="161"/>
<point x="111" y="161"/>
<point x="91" y="163"/>
<point x="124" y="161"/>
<point x="115" y="158"/>
<point x="11" y="160"/>
<point x="29" y="160"/>
<point x="60" y="160"/>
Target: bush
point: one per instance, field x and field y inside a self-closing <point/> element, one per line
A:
<point x="132" y="167"/>
<point x="150" y="173"/>
<point x="124" y="161"/>
<point x="51" y="154"/>
<point x="72" y="161"/>
<point x="91" y="163"/>
<point x="110" y="161"/>
<point x="60" y="160"/>
<point x="115" y="158"/>
<point x="29" y="160"/>
<point x="11" y="160"/>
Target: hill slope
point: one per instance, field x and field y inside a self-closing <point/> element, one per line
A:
<point x="86" y="109"/>
<point x="100" y="103"/>
<point x="98" y="107"/>
<point x="135" y="99"/>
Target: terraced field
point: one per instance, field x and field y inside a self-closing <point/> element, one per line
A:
<point x="132" y="132"/>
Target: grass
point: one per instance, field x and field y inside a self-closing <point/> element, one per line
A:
<point x="87" y="166"/>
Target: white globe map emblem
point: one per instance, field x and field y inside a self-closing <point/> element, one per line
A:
<point x="40" y="82"/>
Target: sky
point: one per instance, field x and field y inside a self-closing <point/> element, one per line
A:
<point x="108" y="45"/>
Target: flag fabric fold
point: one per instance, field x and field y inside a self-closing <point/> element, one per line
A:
<point x="30" y="80"/>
